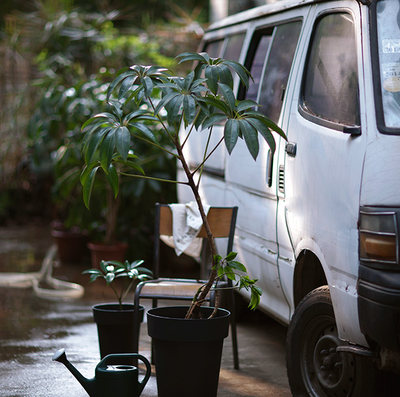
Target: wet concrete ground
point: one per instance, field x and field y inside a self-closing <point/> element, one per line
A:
<point x="33" y="328"/>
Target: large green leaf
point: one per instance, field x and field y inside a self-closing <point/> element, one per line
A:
<point x="231" y="134"/>
<point x="240" y="70"/>
<point x="122" y="139"/>
<point x="218" y="103"/>
<point x="228" y="94"/>
<point x="250" y="136"/>
<point x="269" y="123"/>
<point x="246" y="104"/>
<point x="190" y="56"/>
<point x="264" y="131"/>
<point x="118" y="80"/>
<point x="165" y="100"/>
<point x="215" y="118"/>
<point x="146" y="131"/>
<point x="148" y="85"/>
<point x="113" y="179"/>
<point x="212" y="76"/>
<point x="107" y="149"/>
<point x="93" y="143"/>
<point x="189" y="109"/>
<point x="87" y="180"/>
<point x="126" y="85"/>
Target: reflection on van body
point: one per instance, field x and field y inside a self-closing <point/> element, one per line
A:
<point x="318" y="220"/>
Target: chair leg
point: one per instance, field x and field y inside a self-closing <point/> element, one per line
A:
<point x="153" y="305"/>
<point x="234" y="331"/>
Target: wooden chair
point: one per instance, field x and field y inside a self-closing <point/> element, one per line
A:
<point x="222" y="221"/>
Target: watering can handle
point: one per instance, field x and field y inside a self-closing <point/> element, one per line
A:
<point x="142" y="384"/>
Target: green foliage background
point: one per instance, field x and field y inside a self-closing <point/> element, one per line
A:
<point x="68" y="51"/>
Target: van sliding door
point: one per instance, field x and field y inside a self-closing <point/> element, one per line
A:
<point x="252" y="184"/>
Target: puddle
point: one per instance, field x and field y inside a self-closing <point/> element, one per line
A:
<point x="22" y="248"/>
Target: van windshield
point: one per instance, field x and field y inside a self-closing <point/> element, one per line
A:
<point x="388" y="40"/>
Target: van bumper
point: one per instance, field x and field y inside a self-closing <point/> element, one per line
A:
<point x="379" y="306"/>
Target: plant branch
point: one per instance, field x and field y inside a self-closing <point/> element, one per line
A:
<point x="191" y="128"/>
<point x="153" y="178"/>
<point x="116" y="294"/>
<point x="204" y="158"/>
<point x="161" y="121"/>
<point x="156" y="145"/>
<point x="195" y="306"/>
<point x="123" y="295"/>
<point x="208" y="156"/>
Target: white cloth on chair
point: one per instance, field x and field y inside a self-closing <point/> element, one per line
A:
<point x="186" y="225"/>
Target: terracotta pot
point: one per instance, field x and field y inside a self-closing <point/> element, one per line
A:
<point x="107" y="252"/>
<point x="71" y="245"/>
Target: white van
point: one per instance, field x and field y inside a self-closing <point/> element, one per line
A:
<point x="318" y="220"/>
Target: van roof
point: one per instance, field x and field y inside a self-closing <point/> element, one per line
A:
<point x="261" y="11"/>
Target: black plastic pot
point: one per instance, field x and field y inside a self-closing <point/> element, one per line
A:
<point x="116" y="328"/>
<point x="187" y="353"/>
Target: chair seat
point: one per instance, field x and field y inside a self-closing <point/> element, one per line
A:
<point x="170" y="288"/>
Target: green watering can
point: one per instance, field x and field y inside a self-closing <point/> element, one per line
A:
<point x="110" y="380"/>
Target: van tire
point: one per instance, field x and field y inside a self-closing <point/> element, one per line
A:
<point x="313" y="366"/>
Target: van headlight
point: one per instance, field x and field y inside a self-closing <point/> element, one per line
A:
<point x="378" y="236"/>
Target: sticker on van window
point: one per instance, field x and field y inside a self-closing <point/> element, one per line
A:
<point x="391" y="46"/>
<point x="391" y="76"/>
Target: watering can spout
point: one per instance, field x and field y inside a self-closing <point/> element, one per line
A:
<point x="88" y="384"/>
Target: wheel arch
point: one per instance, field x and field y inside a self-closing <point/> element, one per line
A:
<point x="309" y="274"/>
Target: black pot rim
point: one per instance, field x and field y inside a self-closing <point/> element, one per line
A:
<point x="154" y="312"/>
<point x="114" y="307"/>
<point x="178" y="328"/>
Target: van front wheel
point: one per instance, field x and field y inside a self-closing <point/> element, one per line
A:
<point x="313" y="365"/>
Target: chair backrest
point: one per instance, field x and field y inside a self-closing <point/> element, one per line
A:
<point x="222" y="221"/>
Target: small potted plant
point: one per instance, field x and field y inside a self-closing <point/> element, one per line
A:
<point x="115" y="321"/>
<point x="178" y="106"/>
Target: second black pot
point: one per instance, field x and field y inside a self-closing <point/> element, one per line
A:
<point x="115" y="327"/>
<point x="187" y="353"/>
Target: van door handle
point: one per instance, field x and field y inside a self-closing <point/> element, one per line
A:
<point x="291" y="149"/>
<point x="270" y="163"/>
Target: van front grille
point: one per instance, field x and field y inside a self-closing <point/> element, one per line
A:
<point x="281" y="183"/>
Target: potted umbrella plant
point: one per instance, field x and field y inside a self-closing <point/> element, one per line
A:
<point x="116" y="327"/>
<point x="180" y="106"/>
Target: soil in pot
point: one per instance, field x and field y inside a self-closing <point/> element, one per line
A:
<point x="116" y="328"/>
<point x="187" y="353"/>
<point x="107" y="252"/>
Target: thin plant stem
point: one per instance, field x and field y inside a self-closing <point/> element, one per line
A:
<point x="153" y="178"/>
<point x="156" y="145"/>
<point x="117" y="295"/>
<point x="161" y="120"/>
<point x="194" y="310"/>
<point x="208" y="156"/>
<point x="191" y="128"/>
<point x="204" y="157"/>
<point x="123" y="295"/>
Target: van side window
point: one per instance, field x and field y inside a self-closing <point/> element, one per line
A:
<point x="228" y="48"/>
<point x="257" y="64"/>
<point x="213" y="48"/>
<point x="233" y="47"/>
<point x="330" y="84"/>
<point x="277" y="70"/>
